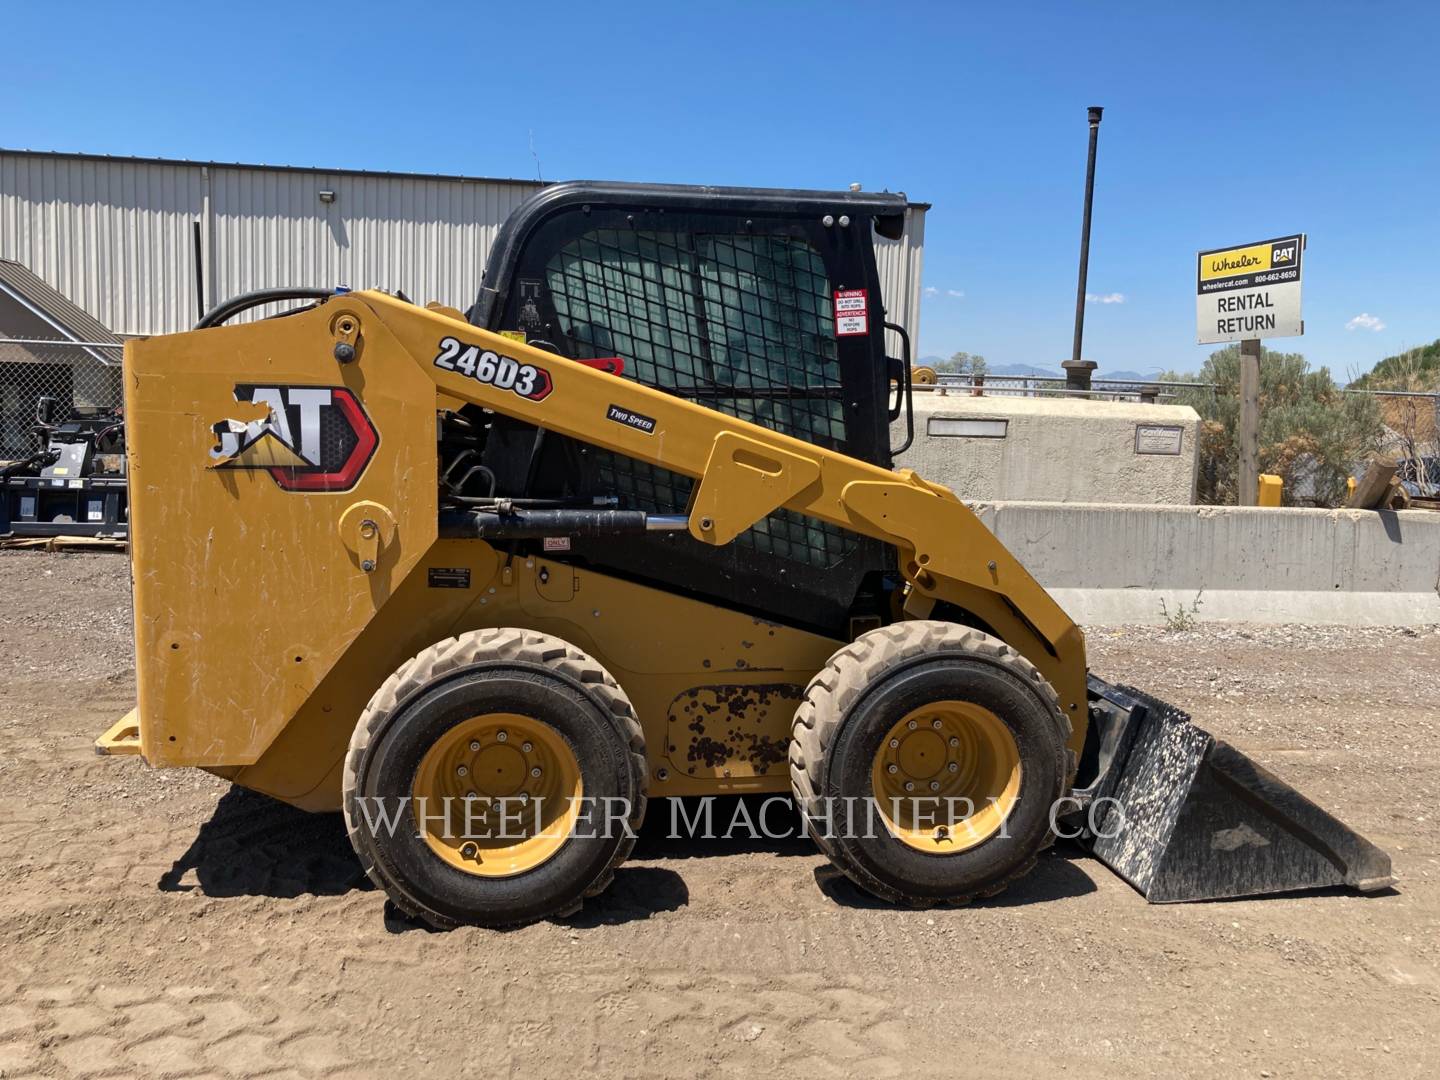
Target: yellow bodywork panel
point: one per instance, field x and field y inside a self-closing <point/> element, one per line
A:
<point x="287" y="559"/>
<point x="247" y="594"/>
<point x="659" y="646"/>
<point x="745" y="480"/>
<point x="123" y="737"/>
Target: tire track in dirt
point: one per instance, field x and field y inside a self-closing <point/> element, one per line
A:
<point x="159" y="924"/>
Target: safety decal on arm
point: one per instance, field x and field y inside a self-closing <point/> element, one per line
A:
<point x="493" y="369"/>
<point x="635" y="420"/>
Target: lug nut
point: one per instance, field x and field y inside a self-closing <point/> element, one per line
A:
<point x="894" y="744"/>
<point x="892" y="769"/>
<point x="912" y="725"/>
<point x="535" y="772"/>
<point x="953" y="766"/>
<point x="935" y="724"/>
<point x="474" y="745"/>
<point x="934" y="785"/>
<point x="909" y="785"/>
<point x="469" y="851"/>
<point x="462" y="771"/>
<point x="527" y="747"/>
<point x="501" y="737"/>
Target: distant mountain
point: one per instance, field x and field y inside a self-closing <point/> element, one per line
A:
<point x="1032" y="371"/>
<point x="1011" y="371"/>
<point x="1131" y="376"/>
<point x="1023" y="371"/>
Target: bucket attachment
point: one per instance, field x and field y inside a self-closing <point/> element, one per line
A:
<point x="1183" y="816"/>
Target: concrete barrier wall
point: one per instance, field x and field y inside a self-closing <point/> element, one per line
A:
<point x="1115" y="564"/>
<point x="1056" y="449"/>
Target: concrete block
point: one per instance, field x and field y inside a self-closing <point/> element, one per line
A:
<point x="1054" y="449"/>
<point x="1112" y="564"/>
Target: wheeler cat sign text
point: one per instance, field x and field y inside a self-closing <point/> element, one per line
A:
<point x="1250" y="291"/>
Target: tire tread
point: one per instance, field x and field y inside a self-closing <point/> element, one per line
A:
<point x="847" y="675"/>
<point x="467" y="650"/>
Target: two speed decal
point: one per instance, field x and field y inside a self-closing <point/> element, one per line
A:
<point x="493" y="369"/>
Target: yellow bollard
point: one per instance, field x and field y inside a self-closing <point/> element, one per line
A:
<point x="1269" y="487"/>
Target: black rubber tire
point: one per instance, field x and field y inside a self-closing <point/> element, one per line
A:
<point x="494" y="670"/>
<point x="871" y="684"/>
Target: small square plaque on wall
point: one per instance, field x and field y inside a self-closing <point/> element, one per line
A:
<point x="1159" y="439"/>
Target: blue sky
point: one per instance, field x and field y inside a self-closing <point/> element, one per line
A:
<point x="1224" y="123"/>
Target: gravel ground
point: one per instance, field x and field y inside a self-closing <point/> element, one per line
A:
<point x="162" y="924"/>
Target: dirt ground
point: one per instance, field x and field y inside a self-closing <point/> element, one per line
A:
<point x="161" y="924"/>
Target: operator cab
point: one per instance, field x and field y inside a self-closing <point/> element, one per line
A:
<point x="765" y="305"/>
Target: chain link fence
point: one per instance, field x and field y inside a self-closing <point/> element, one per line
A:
<point x="73" y="374"/>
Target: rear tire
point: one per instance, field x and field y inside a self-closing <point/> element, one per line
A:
<point x="456" y="705"/>
<point x="931" y="707"/>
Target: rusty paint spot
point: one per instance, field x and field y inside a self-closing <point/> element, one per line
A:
<point x="754" y="735"/>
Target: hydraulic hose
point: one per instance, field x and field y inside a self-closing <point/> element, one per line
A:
<point x="245" y="301"/>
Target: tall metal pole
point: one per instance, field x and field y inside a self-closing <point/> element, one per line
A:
<point x="1095" y="111"/>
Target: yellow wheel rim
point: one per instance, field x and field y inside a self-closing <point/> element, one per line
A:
<point x="946" y="777"/>
<point x="497" y="794"/>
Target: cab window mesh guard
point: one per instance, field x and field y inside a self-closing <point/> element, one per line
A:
<point x="739" y="322"/>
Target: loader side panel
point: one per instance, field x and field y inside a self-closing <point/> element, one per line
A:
<point x="249" y="447"/>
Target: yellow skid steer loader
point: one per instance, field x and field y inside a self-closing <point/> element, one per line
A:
<point x="629" y="528"/>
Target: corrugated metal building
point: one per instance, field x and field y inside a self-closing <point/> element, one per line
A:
<point x="118" y="235"/>
<point x="123" y="239"/>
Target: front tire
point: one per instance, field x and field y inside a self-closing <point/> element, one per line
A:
<point x="927" y="757"/>
<point x="497" y="778"/>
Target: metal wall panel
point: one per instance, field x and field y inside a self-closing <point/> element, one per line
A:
<point x="115" y="234"/>
<point x="900" y="263"/>
<point x="113" y="237"/>
<point x="427" y="238"/>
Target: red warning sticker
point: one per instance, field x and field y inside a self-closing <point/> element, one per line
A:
<point x="852" y="312"/>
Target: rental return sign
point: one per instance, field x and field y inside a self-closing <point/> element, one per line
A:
<point x="1250" y="291"/>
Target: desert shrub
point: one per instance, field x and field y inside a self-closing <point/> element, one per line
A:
<point x="1311" y="435"/>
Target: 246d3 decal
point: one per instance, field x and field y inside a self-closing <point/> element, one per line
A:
<point x="314" y="438"/>
<point x="494" y="369"/>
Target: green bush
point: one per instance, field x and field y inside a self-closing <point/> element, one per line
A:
<point x="1414" y="369"/>
<point x="1311" y="435"/>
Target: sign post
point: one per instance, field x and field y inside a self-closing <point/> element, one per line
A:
<point x="1249" y="434"/>
<point x="1246" y="293"/>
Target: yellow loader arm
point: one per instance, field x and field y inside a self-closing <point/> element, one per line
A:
<point x="746" y="472"/>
